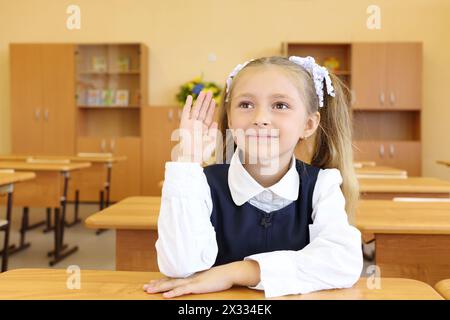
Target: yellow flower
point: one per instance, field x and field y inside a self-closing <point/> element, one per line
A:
<point x="213" y="89"/>
<point x="197" y="79"/>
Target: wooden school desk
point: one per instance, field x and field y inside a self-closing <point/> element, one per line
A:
<point x="443" y="288"/>
<point x="7" y="181"/>
<point x="96" y="178"/>
<point x="421" y="187"/>
<point x="361" y="164"/>
<point x="412" y="239"/>
<point x="48" y="190"/>
<point x="376" y="172"/>
<point x="50" y="284"/>
<point x="135" y="220"/>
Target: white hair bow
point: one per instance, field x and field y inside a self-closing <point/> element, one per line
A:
<point x="233" y="74"/>
<point x="318" y="73"/>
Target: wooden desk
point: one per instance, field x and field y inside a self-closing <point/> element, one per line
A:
<point x="361" y="164"/>
<point x="51" y="284"/>
<point x="422" y="187"/>
<point x="445" y="163"/>
<point x="379" y="172"/>
<point x="412" y="239"/>
<point x="96" y="178"/>
<point x="48" y="190"/>
<point x="443" y="288"/>
<point x="135" y="220"/>
<point x="7" y="181"/>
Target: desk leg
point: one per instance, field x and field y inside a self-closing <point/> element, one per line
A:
<point x="23" y="231"/>
<point x="49" y="226"/>
<point x="76" y="220"/>
<point x="101" y="205"/>
<point x="108" y="184"/>
<point x="7" y="230"/>
<point x="58" y="255"/>
<point x="107" y="191"/>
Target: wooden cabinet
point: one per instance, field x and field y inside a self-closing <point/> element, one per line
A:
<point x="386" y="84"/>
<point x="42" y="98"/>
<point x="126" y="176"/>
<point x="387" y="76"/>
<point x="158" y="124"/>
<point x="368" y="75"/>
<point x="70" y="98"/>
<point x="404" y="155"/>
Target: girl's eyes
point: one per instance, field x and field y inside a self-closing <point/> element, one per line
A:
<point x="278" y="105"/>
<point x="283" y="106"/>
<point x="244" y="105"/>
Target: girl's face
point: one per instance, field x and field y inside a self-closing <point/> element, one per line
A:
<point x="267" y="113"/>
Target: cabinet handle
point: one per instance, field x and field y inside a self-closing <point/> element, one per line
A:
<point x="112" y="144"/>
<point x="46" y="115"/>
<point x="103" y="145"/>
<point x="392" y="98"/>
<point x="37" y="113"/>
<point x="381" y="150"/>
<point x="382" y="98"/>
<point x="170" y="115"/>
<point x="391" y="150"/>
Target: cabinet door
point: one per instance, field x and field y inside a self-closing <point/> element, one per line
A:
<point x="368" y="81"/>
<point x="404" y="80"/>
<point x="158" y="123"/>
<point x="405" y="155"/>
<point x="126" y="175"/>
<point x="371" y="151"/>
<point x="26" y="98"/>
<point x="58" y="85"/>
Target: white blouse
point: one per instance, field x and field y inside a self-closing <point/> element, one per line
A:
<point x="187" y="241"/>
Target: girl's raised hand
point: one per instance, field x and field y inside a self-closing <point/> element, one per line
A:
<point x="198" y="132"/>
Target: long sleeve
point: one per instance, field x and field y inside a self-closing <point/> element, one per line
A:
<point x="186" y="238"/>
<point x="332" y="259"/>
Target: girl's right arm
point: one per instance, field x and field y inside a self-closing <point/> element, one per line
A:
<point x="186" y="238"/>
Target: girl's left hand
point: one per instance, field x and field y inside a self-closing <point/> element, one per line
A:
<point x="212" y="280"/>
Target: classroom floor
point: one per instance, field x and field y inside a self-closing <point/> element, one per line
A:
<point x="96" y="252"/>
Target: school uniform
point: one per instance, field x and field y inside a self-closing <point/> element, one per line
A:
<point x="297" y="229"/>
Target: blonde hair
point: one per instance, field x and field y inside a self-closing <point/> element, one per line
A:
<point x="331" y="144"/>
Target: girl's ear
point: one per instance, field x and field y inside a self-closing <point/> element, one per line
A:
<point x="311" y="124"/>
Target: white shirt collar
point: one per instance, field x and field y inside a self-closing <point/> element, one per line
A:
<point x="243" y="187"/>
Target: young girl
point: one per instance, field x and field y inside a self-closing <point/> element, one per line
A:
<point x="275" y="223"/>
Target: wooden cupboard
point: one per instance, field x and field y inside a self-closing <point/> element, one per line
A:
<point x="398" y="154"/>
<point x="385" y="80"/>
<point x="387" y="76"/>
<point x="53" y="110"/>
<point x="42" y="98"/>
<point x="158" y="125"/>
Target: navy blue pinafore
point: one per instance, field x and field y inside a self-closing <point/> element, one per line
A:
<point x="245" y="230"/>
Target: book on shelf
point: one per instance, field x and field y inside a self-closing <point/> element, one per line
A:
<point x="123" y="64"/>
<point x="93" y="97"/>
<point x="99" y="64"/>
<point x="122" y="98"/>
<point x="107" y="97"/>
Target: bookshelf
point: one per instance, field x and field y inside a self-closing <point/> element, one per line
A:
<point x="111" y="89"/>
